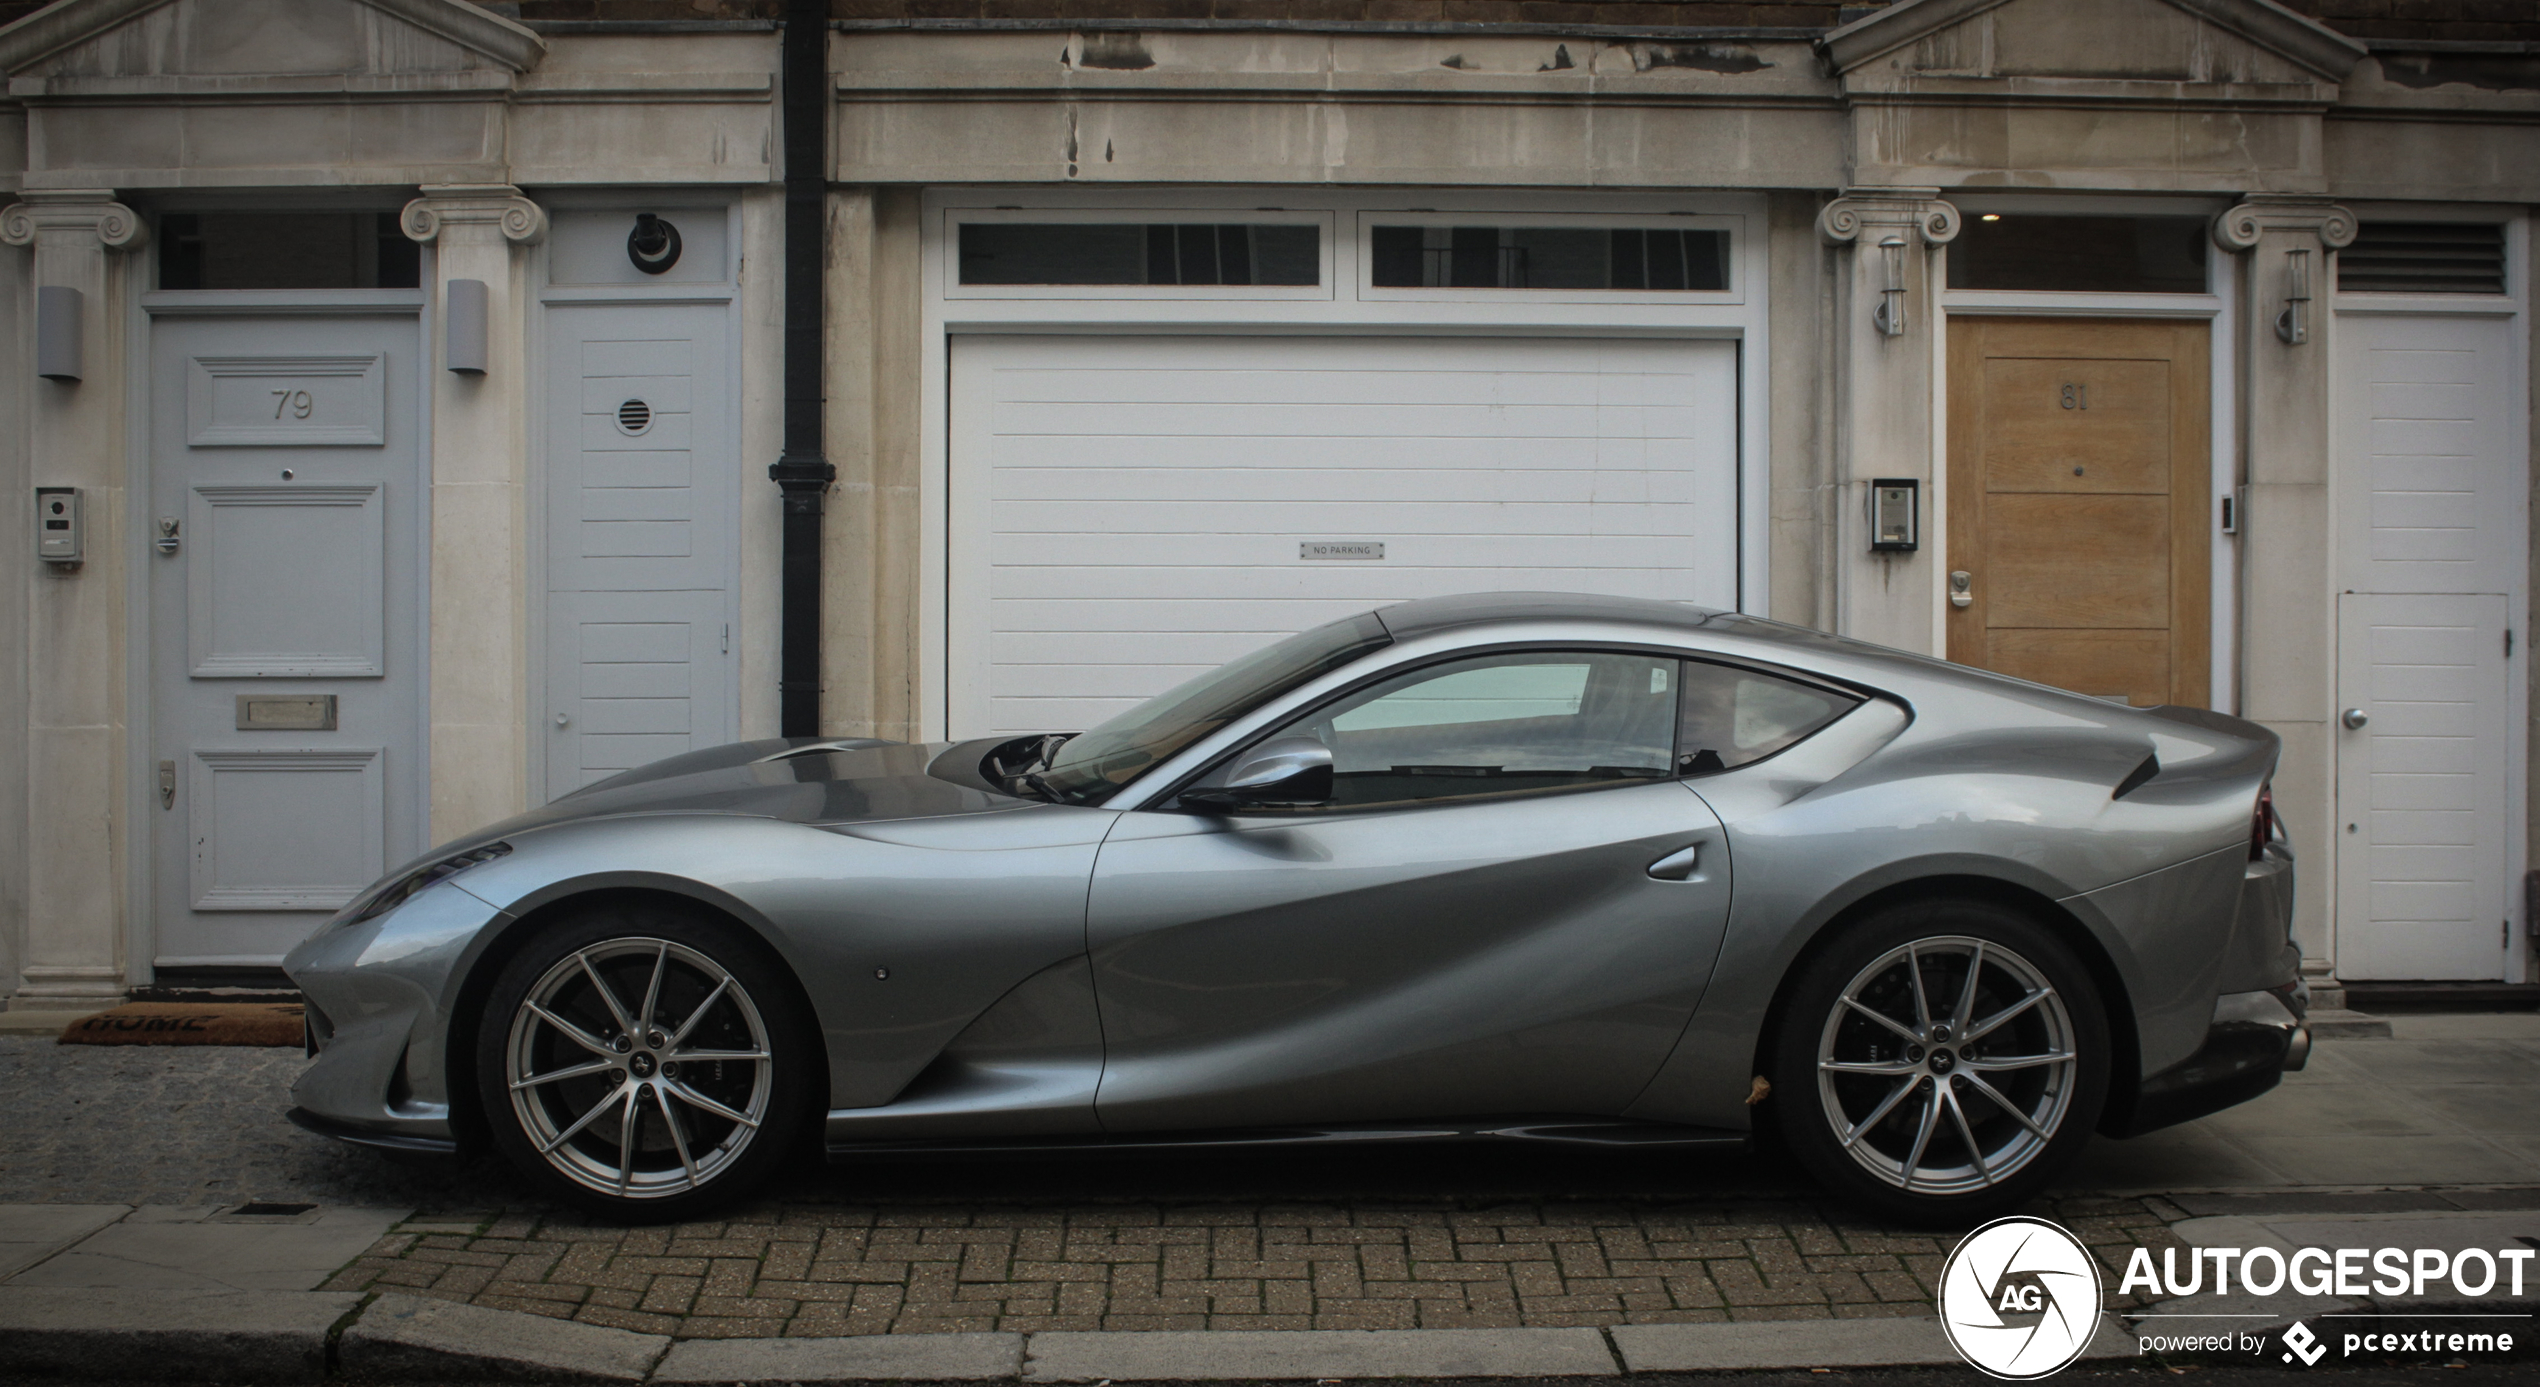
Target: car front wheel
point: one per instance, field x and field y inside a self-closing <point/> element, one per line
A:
<point x="1941" y="1061"/>
<point x="645" y="1064"/>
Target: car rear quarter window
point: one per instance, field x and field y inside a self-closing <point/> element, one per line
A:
<point x="1730" y="716"/>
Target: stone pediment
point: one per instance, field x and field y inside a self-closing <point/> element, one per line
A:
<point x="2150" y="48"/>
<point x="234" y="43"/>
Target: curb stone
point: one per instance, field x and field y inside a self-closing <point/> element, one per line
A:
<point x="282" y="1337"/>
<point x="411" y="1337"/>
<point x="861" y="1358"/>
<point x="159" y="1335"/>
<point x="1880" y="1343"/>
<point x="1203" y="1355"/>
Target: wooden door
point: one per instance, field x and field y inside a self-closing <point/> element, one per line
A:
<point x="2079" y="504"/>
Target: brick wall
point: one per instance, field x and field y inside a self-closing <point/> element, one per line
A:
<point x="1743" y="14"/>
<point x="2426" y="19"/>
<point x="2368" y="19"/>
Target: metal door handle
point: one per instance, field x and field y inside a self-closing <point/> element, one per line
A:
<point x="1960" y="583"/>
<point x="167" y="541"/>
<point x="1677" y="865"/>
<point x="2353" y="717"/>
<point x="563" y="718"/>
<point x="167" y="784"/>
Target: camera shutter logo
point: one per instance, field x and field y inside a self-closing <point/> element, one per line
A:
<point x="2019" y="1298"/>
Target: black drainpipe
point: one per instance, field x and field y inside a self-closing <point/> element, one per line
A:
<point x="802" y="472"/>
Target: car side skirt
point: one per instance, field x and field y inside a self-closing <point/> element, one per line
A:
<point x="1547" y="1131"/>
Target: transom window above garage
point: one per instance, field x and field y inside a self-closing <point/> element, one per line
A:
<point x="1152" y="254"/>
<point x="1641" y="259"/>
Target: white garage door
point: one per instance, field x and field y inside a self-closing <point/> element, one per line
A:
<point x="1127" y="512"/>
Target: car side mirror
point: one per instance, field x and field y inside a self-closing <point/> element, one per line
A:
<point x="1284" y="772"/>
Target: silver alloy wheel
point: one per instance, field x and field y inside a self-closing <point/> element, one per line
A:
<point x="1946" y="1065"/>
<point x="639" y="1068"/>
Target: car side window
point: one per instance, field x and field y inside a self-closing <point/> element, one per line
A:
<point x="1731" y="716"/>
<point x="1501" y="724"/>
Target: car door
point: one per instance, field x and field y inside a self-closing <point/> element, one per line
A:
<point x="1472" y="926"/>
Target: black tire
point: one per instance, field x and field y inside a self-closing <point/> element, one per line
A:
<point x="727" y="1034"/>
<point x="1895" y="1098"/>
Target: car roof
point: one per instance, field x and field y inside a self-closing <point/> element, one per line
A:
<point x="1424" y="615"/>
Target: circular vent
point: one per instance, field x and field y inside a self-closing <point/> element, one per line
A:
<point x="634" y="417"/>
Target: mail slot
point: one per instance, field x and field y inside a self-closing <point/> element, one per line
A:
<point x="286" y="712"/>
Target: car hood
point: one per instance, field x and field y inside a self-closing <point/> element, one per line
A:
<point x="796" y="780"/>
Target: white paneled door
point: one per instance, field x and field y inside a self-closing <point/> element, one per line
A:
<point x="641" y="484"/>
<point x="2431" y="507"/>
<point x="285" y="644"/>
<point x="2420" y="794"/>
<point x="1126" y="512"/>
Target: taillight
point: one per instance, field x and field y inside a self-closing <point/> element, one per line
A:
<point x="2262" y="822"/>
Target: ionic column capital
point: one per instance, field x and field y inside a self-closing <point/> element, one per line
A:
<point x="71" y="212"/>
<point x="451" y="205"/>
<point x="2240" y="228"/>
<point x="1843" y="220"/>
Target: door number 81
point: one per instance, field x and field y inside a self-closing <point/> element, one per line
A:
<point x="302" y="404"/>
<point x="2075" y="396"/>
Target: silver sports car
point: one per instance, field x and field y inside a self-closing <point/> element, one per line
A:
<point x="1526" y="867"/>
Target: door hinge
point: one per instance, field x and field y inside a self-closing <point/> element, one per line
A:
<point x="2509" y="642"/>
<point x="727" y="639"/>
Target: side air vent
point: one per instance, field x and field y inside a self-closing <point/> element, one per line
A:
<point x="2424" y="258"/>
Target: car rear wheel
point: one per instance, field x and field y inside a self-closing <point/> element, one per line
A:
<point x="645" y="1064"/>
<point x="1940" y="1061"/>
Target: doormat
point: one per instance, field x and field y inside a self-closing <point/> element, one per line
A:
<point x="185" y="1023"/>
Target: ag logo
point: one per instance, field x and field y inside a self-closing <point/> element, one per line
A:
<point x="2019" y="1298"/>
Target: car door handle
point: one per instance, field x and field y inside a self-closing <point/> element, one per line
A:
<point x="1677" y="865"/>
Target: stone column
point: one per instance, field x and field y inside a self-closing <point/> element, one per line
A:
<point x="479" y="761"/>
<point x="2288" y="582"/>
<point x="78" y="835"/>
<point x="1883" y="423"/>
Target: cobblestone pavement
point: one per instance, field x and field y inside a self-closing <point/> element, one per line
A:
<point x="916" y="1268"/>
<point x="1382" y="1238"/>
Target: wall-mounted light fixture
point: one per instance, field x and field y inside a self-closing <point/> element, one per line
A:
<point x="2293" y="325"/>
<point x="1889" y="316"/>
<point x="1895" y="515"/>
<point x="463" y="327"/>
<point x="653" y="246"/>
<point x="57" y="332"/>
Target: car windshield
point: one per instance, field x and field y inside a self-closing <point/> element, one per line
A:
<point x="1088" y="768"/>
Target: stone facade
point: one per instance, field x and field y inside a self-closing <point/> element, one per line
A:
<point x="1846" y="125"/>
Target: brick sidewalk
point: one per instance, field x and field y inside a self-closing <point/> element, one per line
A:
<point x="815" y="1269"/>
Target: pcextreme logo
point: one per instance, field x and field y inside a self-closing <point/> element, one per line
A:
<point x="2019" y="1298"/>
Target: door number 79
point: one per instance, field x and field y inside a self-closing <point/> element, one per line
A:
<point x="299" y="402"/>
